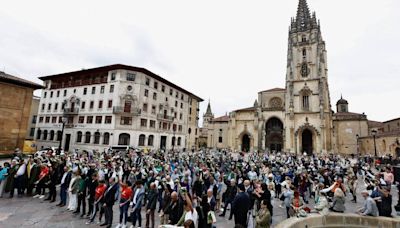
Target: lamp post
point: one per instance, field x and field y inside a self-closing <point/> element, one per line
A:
<point x="374" y="135"/>
<point x="358" y="149"/>
<point x="63" y="120"/>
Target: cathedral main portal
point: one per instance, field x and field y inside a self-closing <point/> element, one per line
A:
<point x="274" y="135"/>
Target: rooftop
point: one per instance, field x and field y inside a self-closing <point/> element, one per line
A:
<point x="246" y="109"/>
<point x="274" y="90"/>
<point x="4" y="77"/>
<point x="221" y="119"/>
<point x="119" y="67"/>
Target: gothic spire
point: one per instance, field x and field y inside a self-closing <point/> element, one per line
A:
<point x="209" y="112"/>
<point x="304" y="19"/>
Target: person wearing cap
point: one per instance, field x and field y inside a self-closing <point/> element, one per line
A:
<point x="369" y="208"/>
<point x="40" y="183"/>
<point x="241" y="206"/>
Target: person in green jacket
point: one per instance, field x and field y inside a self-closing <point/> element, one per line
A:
<point x="81" y="196"/>
<point x="263" y="218"/>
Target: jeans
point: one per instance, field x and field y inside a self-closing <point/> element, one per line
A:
<point x="63" y="195"/>
<point x="123" y="213"/>
<point x="95" y="210"/>
<point x="91" y="205"/>
<point x="136" y="215"/>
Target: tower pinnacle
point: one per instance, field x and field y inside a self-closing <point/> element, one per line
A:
<point x="304" y="20"/>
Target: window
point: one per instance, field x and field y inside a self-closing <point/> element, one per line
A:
<point x="163" y="88"/>
<point x="111" y="88"/>
<point x="106" y="138"/>
<point x="109" y="104"/>
<point x="182" y="97"/>
<point x="99" y="119"/>
<point x="38" y="134"/>
<point x="181" y="105"/>
<point x="100" y="104"/>
<point x="180" y="128"/>
<point x="155" y="85"/>
<point x="48" y="107"/>
<point x="147" y="81"/>
<point x="145" y="107"/>
<point x="96" y="138"/>
<point x="155" y="96"/>
<point x="153" y="109"/>
<point x="60" y="119"/>
<point x="54" y="119"/>
<point x="113" y="76"/>
<point x="45" y="94"/>
<point x="146" y="93"/>
<point x="152" y="124"/>
<point x="126" y="120"/>
<point x="179" y="141"/>
<point x="45" y="135"/>
<point x="34" y="119"/>
<point x="59" y="134"/>
<point x="65" y="92"/>
<point x="79" y="137"/>
<point x="171" y="92"/>
<point x="142" y="138"/>
<point x="32" y="132"/>
<point x="220" y="139"/>
<point x="81" y="119"/>
<point x="93" y="90"/>
<point x="150" y="140"/>
<point x="130" y="77"/>
<point x="87" y="137"/>
<point x="47" y="120"/>
<point x="84" y="91"/>
<point x="190" y="111"/>
<point x="180" y="116"/>
<point x="306" y="104"/>
<point x="124" y="139"/>
<point x="83" y="105"/>
<point x="173" y="141"/>
<point x="177" y="94"/>
<point x="55" y="106"/>
<point x="91" y="104"/>
<point x="108" y="120"/>
<point x="143" y="122"/>
<point x="176" y="104"/>
<point x="89" y="119"/>
<point x="102" y="89"/>
<point x="304" y="53"/>
<point x="62" y="106"/>
<point x="43" y="106"/>
<point x="51" y="94"/>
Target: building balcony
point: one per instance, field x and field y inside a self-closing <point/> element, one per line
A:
<point x="69" y="125"/>
<point x="71" y="111"/>
<point x="165" y="117"/>
<point x="127" y="111"/>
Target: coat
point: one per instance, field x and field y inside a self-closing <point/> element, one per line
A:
<point x="263" y="218"/>
<point x="34" y="175"/>
<point x="10" y="181"/>
<point x="110" y="195"/>
<point x="240" y="207"/>
<point x="338" y="204"/>
<point x="152" y="200"/>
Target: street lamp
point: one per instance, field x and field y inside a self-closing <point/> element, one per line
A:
<point x="358" y="149"/>
<point x="63" y="120"/>
<point x="374" y="135"/>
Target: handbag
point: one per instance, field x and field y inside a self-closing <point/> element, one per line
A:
<point x="211" y="219"/>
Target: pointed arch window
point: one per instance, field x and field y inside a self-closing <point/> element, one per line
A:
<point x="306" y="102"/>
<point x="304" y="53"/>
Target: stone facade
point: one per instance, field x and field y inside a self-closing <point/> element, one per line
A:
<point x="116" y="105"/>
<point x="15" y="106"/>
<point x="30" y="132"/>
<point x="298" y="118"/>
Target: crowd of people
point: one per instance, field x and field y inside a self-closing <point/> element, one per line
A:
<point x="194" y="189"/>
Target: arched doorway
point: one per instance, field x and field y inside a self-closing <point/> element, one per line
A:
<point x="246" y="143"/>
<point x="274" y="134"/>
<point x="398" y="151"/>
<point x="307" y="141"/>
<point x="124" y="139"/>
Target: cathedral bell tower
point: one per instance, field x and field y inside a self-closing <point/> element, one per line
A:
<point x="307" y="101"/>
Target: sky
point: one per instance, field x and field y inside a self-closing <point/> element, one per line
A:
<point x="225" y="51"/>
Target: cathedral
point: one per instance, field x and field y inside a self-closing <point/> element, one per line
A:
<point x="297" y="118"/>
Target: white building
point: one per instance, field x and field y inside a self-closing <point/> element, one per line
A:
<point x="116" y="105"/>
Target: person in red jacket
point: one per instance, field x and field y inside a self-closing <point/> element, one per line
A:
<point x="99" y="201"/>
<point x="126" y="196"/>
<point x="40" y="183"/>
